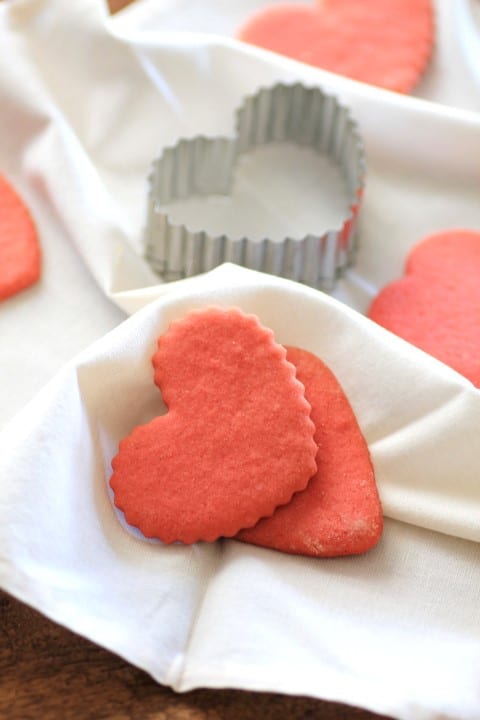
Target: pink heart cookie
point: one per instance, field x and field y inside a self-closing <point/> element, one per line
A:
<point x="237" y="440"/>
<point x="382" y="42"/>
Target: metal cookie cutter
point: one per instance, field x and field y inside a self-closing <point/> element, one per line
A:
<point x="205" y="166"/>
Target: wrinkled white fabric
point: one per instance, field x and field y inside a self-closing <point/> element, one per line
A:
<point x="87" y="101"/>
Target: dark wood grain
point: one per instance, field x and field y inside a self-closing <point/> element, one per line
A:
<point x="116" y="5"/>
<point x="50" y="673"/>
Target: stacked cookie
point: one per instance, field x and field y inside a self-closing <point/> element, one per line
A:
<point x="259" y="443"/>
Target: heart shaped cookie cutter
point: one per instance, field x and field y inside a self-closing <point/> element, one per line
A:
<point x="205" y="166"/>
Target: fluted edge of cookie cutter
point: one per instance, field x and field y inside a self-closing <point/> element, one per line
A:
<point x="293" y="113"/>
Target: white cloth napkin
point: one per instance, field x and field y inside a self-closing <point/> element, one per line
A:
<point x="85" y="106"/>
<point x="453" y="75"/>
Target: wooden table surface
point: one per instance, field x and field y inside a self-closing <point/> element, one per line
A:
<point x="49" y="673"/>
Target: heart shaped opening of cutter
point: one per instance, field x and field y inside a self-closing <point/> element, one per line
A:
<point x="202" y="167"/>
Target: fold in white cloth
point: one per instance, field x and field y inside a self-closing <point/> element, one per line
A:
<point x="85" y="107"/>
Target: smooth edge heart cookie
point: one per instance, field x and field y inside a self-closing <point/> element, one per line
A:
<point x="20" y="256"/>
<point x="387" y="43"/>
<point x="236" y="442"/>
<point x="436" y="305"/>
<point x="340" y="512"/>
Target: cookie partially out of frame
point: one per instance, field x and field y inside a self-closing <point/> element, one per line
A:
<point x="381" y="42"/>
<point x="20" y="257"/>
<point x="436" y="305"/>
